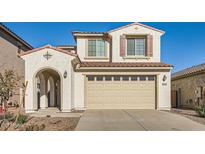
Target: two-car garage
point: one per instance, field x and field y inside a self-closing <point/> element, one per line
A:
<point x="120" y="92"/>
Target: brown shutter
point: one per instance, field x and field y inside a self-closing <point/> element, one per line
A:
<point x="122" y="45"/>
<point x="149" y="52"/>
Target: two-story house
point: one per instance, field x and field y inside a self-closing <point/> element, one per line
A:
<point x="117" y="69"/>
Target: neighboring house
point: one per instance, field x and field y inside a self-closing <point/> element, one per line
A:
<point x="10" y="46"/>
<point x="188" y="87"/>
<point x="117" y="69"/>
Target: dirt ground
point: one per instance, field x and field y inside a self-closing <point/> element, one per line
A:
<point x="41" y="123"/>
<point x="44" y="124"/>
<point x="190" y="114"/>
<point x="54" y="123"/>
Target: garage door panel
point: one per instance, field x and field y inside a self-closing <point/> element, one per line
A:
<point x="120" y="94"/>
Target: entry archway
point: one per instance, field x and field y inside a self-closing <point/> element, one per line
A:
<point x="47" y="89"/>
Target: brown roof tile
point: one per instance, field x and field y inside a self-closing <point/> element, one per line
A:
<point x="48" y="47"/>
<point x="189" y="71"/>
<point x="123" y="64"/>
<point x="136" y="23"/>
<point x="81" y="32"/>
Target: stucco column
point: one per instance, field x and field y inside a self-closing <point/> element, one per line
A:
<point x="29" y="102"/>
<point x="164" y="92"/>
<point x="51" y="89"/>
<point x="66" y="92"/>
<point x="29" y="93"/>
<point x="58" y="93"/>
<point x="43" y="96"/>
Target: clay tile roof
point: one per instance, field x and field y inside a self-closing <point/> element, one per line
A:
<point x="7" y="30"/>
<point x="81" y="32"/>
<point x="123" y="64"/>
<point x="48" y="47"/>
<point x="136" y="23"/>
<point x="189" y="71"/>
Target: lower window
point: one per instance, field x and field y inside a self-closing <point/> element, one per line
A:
<point x="120" y="78"/>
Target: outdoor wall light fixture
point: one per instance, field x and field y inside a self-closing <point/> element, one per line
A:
<point x="164" y="78"/>
<point x="65" y="74"/>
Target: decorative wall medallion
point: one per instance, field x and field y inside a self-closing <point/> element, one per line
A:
<point x="47" y="55"/>
<point x="136" y="28"/>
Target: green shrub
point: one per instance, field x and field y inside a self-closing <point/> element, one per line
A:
<point x="201" y="111"/>
<point x="22" y="119"/>
<point x="8" y="116"/>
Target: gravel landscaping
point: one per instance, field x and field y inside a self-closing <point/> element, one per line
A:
<point x="42" y="124"/>
<point x="45" y="122"/>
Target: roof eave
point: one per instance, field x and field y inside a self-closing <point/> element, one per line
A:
<point x="186" y="75"/>
<point x="15" y="36"/>
<point x="124" y="68"/>
<point x="88" y="34"/>
<point x="47" y="47"/>
<point x="136" y="23"/>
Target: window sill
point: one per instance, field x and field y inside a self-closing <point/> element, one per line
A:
<point x="101" y="58"/>
<point x="136" y="57"/>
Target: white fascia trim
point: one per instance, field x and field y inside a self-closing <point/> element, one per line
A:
<point x="88" y="35"/>
<point x="123" y="68"/>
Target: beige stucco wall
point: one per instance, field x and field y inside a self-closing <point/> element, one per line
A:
<point x="188" y="88"/>
<point x="164" y="90"/>
<point x="136" y="30"/>
<point x="59" y="62"/>
<point x="78" y="91"/>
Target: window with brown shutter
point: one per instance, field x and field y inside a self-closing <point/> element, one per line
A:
<point x="136" y="46"/>
<point x="139" y="45"/>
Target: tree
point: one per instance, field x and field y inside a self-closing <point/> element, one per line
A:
<point x="9" y="81"/>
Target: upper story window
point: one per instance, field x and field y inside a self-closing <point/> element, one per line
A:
<point x="136" y="46"/>
<point x="96" y="48"/>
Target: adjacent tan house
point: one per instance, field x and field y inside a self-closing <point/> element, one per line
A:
<point x="188" y="87"/>
<point x="116" y="69"/>
<point x="10" y="46"/>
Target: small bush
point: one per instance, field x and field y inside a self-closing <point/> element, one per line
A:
<point x="201" y="111"/>
<point x="8" y="116"/>
<point x="22" y="119"/>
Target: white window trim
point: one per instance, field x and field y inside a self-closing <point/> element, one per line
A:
<point x="135" y="56"/>
<point x="97" y="57"/>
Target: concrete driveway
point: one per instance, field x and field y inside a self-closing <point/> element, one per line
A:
<point x="125" y="120"/>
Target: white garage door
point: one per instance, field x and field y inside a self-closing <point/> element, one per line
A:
<point x="120" y="92"/>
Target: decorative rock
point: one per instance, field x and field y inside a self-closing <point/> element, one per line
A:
<point x="5" y="125"/>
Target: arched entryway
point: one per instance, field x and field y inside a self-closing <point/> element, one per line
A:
<point x="47" y="89"/>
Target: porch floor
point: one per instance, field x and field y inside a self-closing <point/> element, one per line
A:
<point x="54" y="112"/>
